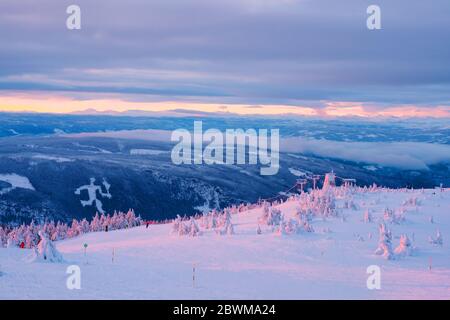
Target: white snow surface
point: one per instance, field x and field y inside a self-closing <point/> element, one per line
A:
<point x="329" y="263"/>
<point x="16" y="181"/>
<point x="298" y="173"/>
<point x="146" y="152"/>
<point x="52" y="158"/>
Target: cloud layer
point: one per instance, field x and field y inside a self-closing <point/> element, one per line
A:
<point x="402" y="155"/>
<point x="235" y="51"/>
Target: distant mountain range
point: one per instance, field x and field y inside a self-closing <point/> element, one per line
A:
<point x="137" y="172"/>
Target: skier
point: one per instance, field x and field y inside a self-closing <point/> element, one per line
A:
<point x="147" y="224"/>
<point x="22" y="245"/>
<point x="106" y="228"/>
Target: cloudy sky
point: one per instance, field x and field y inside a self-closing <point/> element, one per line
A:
<point x="312" y="57"/>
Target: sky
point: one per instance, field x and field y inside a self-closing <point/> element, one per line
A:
<point x="304" y="57"/>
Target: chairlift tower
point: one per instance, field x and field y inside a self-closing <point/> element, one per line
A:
<point x="301" y="183"/>
<point x="315" y="178"/>
<point x="349" y="182"/>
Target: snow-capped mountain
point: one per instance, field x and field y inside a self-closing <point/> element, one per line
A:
<point x="65" y="162"/>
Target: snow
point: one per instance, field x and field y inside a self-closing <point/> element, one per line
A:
<point x="298" y="173"/>
<point x="146" y="152"/>
<point x="52" y="158"/>
<point x="16" y="181"/>
<point x="59" y="131"/>
<point x="255" y="261"/>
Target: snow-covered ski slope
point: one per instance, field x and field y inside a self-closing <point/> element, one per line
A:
<point x="330" y="262"/>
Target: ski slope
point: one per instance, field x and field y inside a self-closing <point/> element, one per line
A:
<point x="330" y="262"/>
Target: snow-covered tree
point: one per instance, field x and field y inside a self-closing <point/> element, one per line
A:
<point x="439" y="241"/>
<point x="84" y="226"/>
<point x="194" y="230"/>
<point x="74" y="230"/>
<point x="274" y="217"/>
<point x="3" y="237"/>
<point x="291" y="226"/>
<point x="176" y="225"/>
<point x="392" y="216"/>
<point x="96" y="224"/>
<point x="45" y="251"/>
<point x="280" y="228"/>
<point x="405" y="248"/>
<point x="228" y="228"/>
<point x="367" y="216"/>
<point x="384" y="243"/>
<point x="304" y="225"/>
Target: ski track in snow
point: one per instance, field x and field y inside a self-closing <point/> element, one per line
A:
<point x="153" y="264"/>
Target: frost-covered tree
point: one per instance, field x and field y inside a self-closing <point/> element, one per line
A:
<point x="176" y="225"/>
<point x="74" y="230"/>
<point x="194" y="230"/>
<point x="228" y="227"/>
<point x="385" y="243"/>
<point x="367" y="216"/>
<point x="60" y="231"/>
<point x="413" y="201"/>
<point x="304" y="224"/>
<point x="96" y="224"/>
<point x="438" y="241"/>
<point x="45" y="251"/>
<point x="292" y="226"/>
<point x="274" y="217"/>
<point x="10" y="243"/>
<point x="84" y="226"/>
<point x="405" y="248"/>
<point x="3" y="236"/>
<point x="29" y="237"/>
<point x="131" y="218"/>
<point x="281" y="227"/>
<point x="395" y="217"/>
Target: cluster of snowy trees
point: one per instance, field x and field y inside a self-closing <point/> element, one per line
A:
<point x="392" y="216"/>
<point x="315" y="204"/>
<point x="220" y="222"/>
<point x="273" y="218"/>
<point x="405" y="247"/>
<point x="318" y="203"/>
<point x="183" y="228"/>
<point x="311" y="205"/>
<point x="28" y="236"/>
